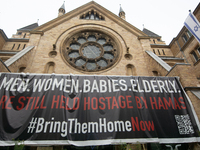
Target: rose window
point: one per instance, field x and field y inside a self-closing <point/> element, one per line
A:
<point x="90" y="51"/>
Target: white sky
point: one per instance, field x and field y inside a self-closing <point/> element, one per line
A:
<point x="163" y="17"/>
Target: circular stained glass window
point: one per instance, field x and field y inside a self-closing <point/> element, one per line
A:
<point x="90" y="51"/>
<point x="81" y="40"/>
<point x="75" y="46"/>
<point x="101" y="41"/>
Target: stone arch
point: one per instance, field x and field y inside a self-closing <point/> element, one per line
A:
<point x="130" y="70"/>
<point x="21" y="68"/>
<point x="120" y="42"/>
<point x="156" y="73"/>
<point x="50" y="67"/>
<point x="78" y="28"/>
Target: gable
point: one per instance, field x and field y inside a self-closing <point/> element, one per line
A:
<point x="90" y="11"/>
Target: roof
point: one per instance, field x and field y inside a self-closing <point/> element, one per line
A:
<point x="29" y="27"/>
<point x="63" y="6"/>
<point x="81" y="10"/>
<point x="150" y="33"/>
<point x="120" y="9"/>
<point x="3" y="34"/>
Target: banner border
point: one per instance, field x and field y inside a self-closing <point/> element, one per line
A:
<point x="103" y="142"/>
<point x="110" y="141"/>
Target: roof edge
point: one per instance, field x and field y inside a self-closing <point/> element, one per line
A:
<point x="97" y="6"/>
<point x="3" y="34"/>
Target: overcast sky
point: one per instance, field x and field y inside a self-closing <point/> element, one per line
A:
<point x="163" y="17"/>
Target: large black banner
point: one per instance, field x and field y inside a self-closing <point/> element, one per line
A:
<point x="41" y="109"/>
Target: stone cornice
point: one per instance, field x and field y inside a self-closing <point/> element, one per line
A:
<point x="18" y="40"/>
<point x="159" y="46"/>
<point x="143" y="37"/>
<point x="6" y="52"/>
<point x="191" y="88"/>
<point x="37" y="32"/>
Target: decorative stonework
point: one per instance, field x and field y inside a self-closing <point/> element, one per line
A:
<point x="128" y="56"/>
<point x="92" y="15"/>
<point x="90" y="51"/>
<point x="52" y="54"/>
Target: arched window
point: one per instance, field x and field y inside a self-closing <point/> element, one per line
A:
<point x="163" y="52"/>
<point x="24" y="35"/>
<point x="158" y="51"/>
<point x="50" y="67"/>
<point x="22" y="69"/>
<point x="18" y="47"/>
<point x="156" y="73"/>
<point x="13" y="46"/>
<point x="130" y="70"/>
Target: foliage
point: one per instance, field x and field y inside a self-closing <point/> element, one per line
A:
<point x="18" y="145"/>
<point x="138" y="146"/>
<point x="123" y="146"/>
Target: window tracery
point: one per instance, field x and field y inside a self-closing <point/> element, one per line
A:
<point x="92" y="15"/>
<point x="90" y="51"/>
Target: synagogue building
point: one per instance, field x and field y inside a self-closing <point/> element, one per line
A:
<point x="92" y="41"/>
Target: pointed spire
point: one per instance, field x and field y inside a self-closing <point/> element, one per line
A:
<point x="63" y="6"/>
<point x="122" y="13"/>
<point x="61" y="10"/>
<point x="120" y="9"/>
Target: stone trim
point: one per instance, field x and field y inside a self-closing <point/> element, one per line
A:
<point x="159" y="46"/>
<point x="37" y="32"/>
<point x="91" y="5"/>
<point x="18" y="56"/>
<point x="175" y="66"/>
<point x="159" y="60"/>
<point x="191" y="88"/>
<point x="18" y="40"/>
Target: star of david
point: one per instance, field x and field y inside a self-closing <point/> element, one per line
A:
<point x="195" y="28"/>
